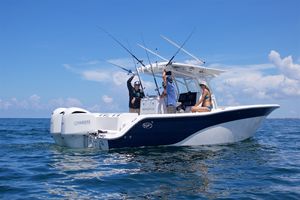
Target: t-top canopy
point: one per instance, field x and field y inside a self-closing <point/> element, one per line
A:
<point x="181" y="70"/>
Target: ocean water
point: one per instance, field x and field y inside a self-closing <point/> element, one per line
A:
<point x="266" y="166"/>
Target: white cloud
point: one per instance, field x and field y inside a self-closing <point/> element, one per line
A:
<point x="286" y="65"/>
<point x="73" y="102"/>
<point x="123" y="62"/>
<point x="108" y="104"/>
<point x="240" y="82"/>
<point x="228" y="99"/>
<point x="34" y="98"/>
<point x="59" y="102"/>
<point x="107" y="99"/>
<point x="95" y="108"/>
<point x="149" y="86"/>
<point x="67" y="66"/>
<point x="108" y="73"/>
<point x="68" y="102"/>
<point x="4" y="105"/>
<point x="96" y="75"/>
<point x="120" y="78"/>
<point x="24" y="104"/>
<point x="34" y="102"/>
<point x="91" y="62"/>
<point x="252" y="81"/>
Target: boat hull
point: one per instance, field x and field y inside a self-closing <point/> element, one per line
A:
<point x="217" y="127"/>
<point x="229" y="132"/>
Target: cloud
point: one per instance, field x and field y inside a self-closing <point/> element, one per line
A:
<point x="61" y="102"/>
<point x="119" y="78"/>
<point x="107" y="99"/>
<point x="72" y="102"/>
<point x="34" y="102"/>
<point x="14" y="103"/>
<point x="95" y="108"/>
<point x="108" y="105"/>
<point x="34" y="98"/>
<point x="90" y="74"/>
<point x="67" y="66"/>
<point x="149" y="85"/>
<point x="108" y="72"/>
<point x="110" y="75"/>
<point x="123" y="62"/>
<point x="4" y="105"/>
<point x="285" y="65"/>
<point x="96" y="75"/>
<point x="277" y="79"/>
<point x="91" y="62"/>
<point x="255" y="82"/>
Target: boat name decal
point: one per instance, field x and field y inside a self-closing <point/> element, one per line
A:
<point x="147" y="125"/>
<point x="82" y="122"/>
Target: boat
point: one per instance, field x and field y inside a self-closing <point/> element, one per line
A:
<point x="78" y="128"/>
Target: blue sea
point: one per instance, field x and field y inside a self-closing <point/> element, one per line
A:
<point x="266" y="166"/>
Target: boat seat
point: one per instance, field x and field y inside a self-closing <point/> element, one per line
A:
<point x="114" y="121"/>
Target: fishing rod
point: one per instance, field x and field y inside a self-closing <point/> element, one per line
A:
<point x="117" y="41"/>
<point x="170" y="61"/>
<point x="129" y="71"/>
<point x="185" y="51"/>
<point x="134" y="63"/>
<point x="152" y="52"/>
<point x="151" y="68"/>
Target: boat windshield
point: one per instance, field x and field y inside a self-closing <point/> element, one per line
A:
<point x="186" y="85"/>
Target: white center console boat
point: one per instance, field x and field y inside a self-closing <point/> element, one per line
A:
<point x="79" y="128"/>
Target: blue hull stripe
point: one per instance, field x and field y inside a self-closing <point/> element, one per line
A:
<point x="166" y="131"/>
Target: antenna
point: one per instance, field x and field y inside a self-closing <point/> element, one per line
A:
<point x="170" y="61"/>
<point x="185" y="51"/>
<point x="150" y="51"/>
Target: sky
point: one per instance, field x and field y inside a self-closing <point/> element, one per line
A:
<point x="53" y="54"/>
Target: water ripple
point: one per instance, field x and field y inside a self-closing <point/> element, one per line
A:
<point x="264" y="167"/>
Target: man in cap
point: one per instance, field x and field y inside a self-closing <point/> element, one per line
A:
<point x="135" y="95"/>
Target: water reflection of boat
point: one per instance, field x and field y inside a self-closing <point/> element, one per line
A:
<point x="79" y="128"/>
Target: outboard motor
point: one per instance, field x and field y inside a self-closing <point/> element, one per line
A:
<point x="55" y="127"/>
<point x="76" y="125"/>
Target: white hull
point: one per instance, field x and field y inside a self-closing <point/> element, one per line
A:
<point x="225" y="133"/>
<point x="78" y="128"/>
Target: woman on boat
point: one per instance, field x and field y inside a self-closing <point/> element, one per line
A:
<point x="204" y="104"/>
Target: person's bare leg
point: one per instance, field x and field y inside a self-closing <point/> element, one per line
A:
<point x="199" y="109"/>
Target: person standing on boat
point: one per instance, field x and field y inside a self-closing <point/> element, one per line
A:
<point x="135" y="95"/>
<point x="204" y="104"/>
<point x="169" y="91"/>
